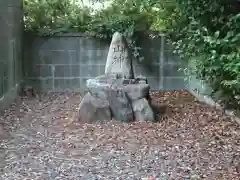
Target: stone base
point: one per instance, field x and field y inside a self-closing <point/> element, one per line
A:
<point x="142" y="110"/>
<point x="127" y="99"/>
<point x="92" y="109"/>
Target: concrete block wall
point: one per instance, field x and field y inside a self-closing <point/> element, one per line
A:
<point x="64" y="62"/>
<point x="11" y="13"/>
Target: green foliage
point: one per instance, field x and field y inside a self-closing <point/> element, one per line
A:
<point x="208" y="32"/>
<point x="47" y="17"/>
<point x="127" y="17"/>
<point x="205" y="32"/>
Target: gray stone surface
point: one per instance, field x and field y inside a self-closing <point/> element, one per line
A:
<point x="119" y="59"/>
<point x="120" y="94"/>
<point x="120" y="105"/>
<point x="92" y="109"/>
<point x="119" y="87"/>
<point x="85" y="58"/>
<point x="10" y="50"/>
<point x="142" y="110"/>
<point x="137" y="91"/>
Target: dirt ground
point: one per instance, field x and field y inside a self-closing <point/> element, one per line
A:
<point x="41" y="140"/>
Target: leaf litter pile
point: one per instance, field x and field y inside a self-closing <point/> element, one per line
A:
<point x="42" y="140"/>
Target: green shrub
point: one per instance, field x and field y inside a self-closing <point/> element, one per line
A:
<point x="127" y="17"/>
<point x="203" y="31"/>
<point x="208" y="32"/>
<point x="47" y="17"/>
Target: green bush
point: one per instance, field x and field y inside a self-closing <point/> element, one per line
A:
<point x="47" y="17"/>
<point x="203" y="31"/>
<point x="129" y="18"/>
<point x="208" y="32"/>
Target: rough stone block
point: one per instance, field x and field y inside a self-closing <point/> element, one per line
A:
<point x="120" y="105"/>
<point x="92" y="109"/>
<point x="142" y="110"/>
<point x="137" y="91"/>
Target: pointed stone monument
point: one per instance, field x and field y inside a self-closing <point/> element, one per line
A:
<point x="119" y="59"/>
<point x="117" y="94"/>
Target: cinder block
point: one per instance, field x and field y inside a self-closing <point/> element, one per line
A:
<point x="172" y="70"/>
<point x="88" y="56"/>
<point x="12" y="3"/>
<point x="41" y="85"/>
<point x="62" y="84"/>
<point x="174" y="83"/>
<point x="62" y="71"/>
<point x="57" y="43"/>
<point x="75" y="71"/>
<point x="54" y="57"/>
<point x="89" y="71"/>
<point x="75" y="84"/>
<point x="101" y="69"/>
<point x="101" y="56"/>
<point x="171" y="58"/>
<point x="73" y="57"/>
<point x="88" y="43"/>
<point x="37" y="71"/>
<point x="67" y="84"/>
<point x="151" y="70"/>
<point x="154" y="83"/>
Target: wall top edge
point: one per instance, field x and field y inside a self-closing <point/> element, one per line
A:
<point x="81" y="34"/>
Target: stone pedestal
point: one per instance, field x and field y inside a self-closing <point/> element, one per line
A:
<point x="125" y="98"/>
<point x="117" y="94"/>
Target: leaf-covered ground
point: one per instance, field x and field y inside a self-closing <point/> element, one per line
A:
<point x="41" y="140"/>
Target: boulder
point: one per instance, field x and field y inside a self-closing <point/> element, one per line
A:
<point x="142" y="110"/>
<point x="94" y="109"/>
<point x="137" y="91"/>
<point x="120" y="105"/>
<point x="119" y="59"/>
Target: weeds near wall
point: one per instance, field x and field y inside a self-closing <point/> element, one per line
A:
<point x="208" y="34"/>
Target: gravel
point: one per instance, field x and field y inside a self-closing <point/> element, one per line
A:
<point x="43" y="140"/>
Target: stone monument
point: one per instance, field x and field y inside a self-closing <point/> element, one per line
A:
<point x="117" y="94"/>
<point x="119" y="58"/>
